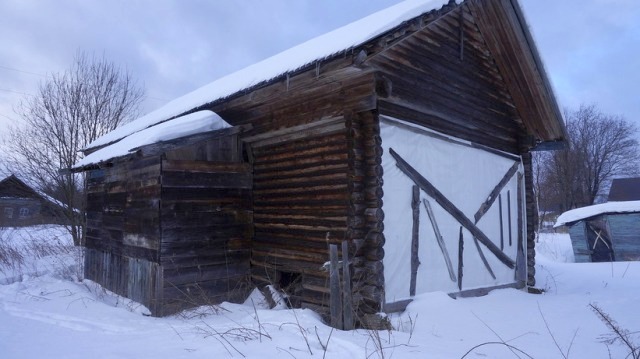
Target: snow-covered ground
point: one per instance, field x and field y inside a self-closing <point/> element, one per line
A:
<point x="46" y="313"/>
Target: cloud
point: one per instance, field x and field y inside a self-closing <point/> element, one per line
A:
<point x="589" y="47"/>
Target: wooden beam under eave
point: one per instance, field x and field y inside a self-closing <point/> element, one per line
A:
<point x="506" y="34"/>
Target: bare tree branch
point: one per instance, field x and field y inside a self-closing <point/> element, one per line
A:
<point x="70" y="110"/>
<point x="602" y="147"/>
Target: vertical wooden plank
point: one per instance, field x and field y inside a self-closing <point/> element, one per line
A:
<point x="460" y="259"/>
<point x="509" y="217"/>
<point x="415" y="239"/>
<point x="346" y="289"/>
<point x="334" y="285"/>
<point x="501" y="224"/>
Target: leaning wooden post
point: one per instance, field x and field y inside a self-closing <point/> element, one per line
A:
<point x="439" y="239"/>
<point x="334" y="286"/>
<point x="415" y="240"/>
<point x="509" y="212"/>
<point x="347" y="301"/>
<point x="460" y="259"/>
<point x="501" y="224"/>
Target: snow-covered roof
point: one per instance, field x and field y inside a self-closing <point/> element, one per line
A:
<point x="579" y="214"/>
<point x="197" y="122"/>
<point x="319" y="48"/>
<point x="29" y="190"/>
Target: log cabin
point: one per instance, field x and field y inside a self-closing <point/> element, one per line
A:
<point x="624" y="189"/>
<point x="406" y="135"/>
<point x="21" y="205"/>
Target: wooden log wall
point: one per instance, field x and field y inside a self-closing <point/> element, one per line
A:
<point x="172" y="234"/>
<point x="444" y="77"/>
<point x="206" y="232"/>
<point x="531" y="215"/>
<point x="300" y="203"/>
<point x="366" y="227"/>
<point x="330" y="91"/>
<point x="123" y="229"/>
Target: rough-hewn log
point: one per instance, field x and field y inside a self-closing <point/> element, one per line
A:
<point x="373" y="214"/>
<point x="336" y="297"/>
<point x="347" y="300"/>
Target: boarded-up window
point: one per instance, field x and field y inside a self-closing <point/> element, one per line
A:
<point x="8" y="212"/>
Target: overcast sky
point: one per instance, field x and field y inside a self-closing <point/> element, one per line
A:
<point x="591" y="48"/>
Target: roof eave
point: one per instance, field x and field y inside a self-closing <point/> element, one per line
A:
<point x="560" y="134"/>
<point x="506" y="33"/>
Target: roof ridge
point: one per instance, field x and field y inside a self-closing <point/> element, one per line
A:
<point x="291" y="60"/>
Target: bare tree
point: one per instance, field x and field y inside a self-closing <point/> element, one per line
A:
<point x="601" y="147"/>
<point x="70" y="110"/>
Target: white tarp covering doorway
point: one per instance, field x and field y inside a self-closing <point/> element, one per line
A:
<point x="466" y="176"/>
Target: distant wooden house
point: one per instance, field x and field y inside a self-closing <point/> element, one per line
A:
<point x="604" y="232"/>
<point x="21" y="205"/>
<point x="624" y="189"/>
<point x="406" y="135"/>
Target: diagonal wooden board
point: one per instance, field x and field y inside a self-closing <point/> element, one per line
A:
<point x="439" y="239"/>
<point x="456" y="213"/>
<point x="496" y="192"/>
<point x="486" y="205"/>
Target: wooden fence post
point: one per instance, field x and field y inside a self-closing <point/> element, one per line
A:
<point x="348" y="322"/>
<point x="334" y="285"/>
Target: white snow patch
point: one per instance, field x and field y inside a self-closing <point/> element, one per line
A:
<point x="578" y="214"/>
<point x="197" y="122"/>
<point x="45" y="316"/>
<point x="319" y="48"/>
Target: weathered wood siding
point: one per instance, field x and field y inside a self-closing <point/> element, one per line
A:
<point x="625" y="230"/>
<point x="15" y="212"/>
<point x="305" y="170"/>
<point x="313" y="191"/>
<point x="314" y="149"/>
<point x="330" y="91"/>
<point x="206" y="224"/>
<point x="206" y="232"/>
<point x="300" y="203"/>
<point x="123" y="229"/>
<point x="20" y="205"/>
<point x="444" y="77"/>
<point x="172" y="234"/>
<point x="625" y="237"/>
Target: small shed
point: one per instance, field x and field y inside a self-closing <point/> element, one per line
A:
<point x="21" y="205"/>
<point x="404" y="138"/>
<point x="605" y="232"/>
